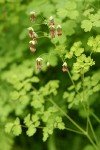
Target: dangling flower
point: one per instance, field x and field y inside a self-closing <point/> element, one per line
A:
<point x="32" y="16"/>
<point x="30" y="32"/>
<point x="39" y="63"/>
<point x="32" y="46"/>
<point x="51" y="21"/>
<point x="52" y="31"/>
<point x="59" y="30"/>
<point x="64" y="67"/>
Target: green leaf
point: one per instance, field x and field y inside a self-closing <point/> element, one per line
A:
<point x="8" y="127"/>
<point x="79" y="51"/>
<point x="61" y="126"/>
<point x="17" y="121"/>
<point x="14" y="95"/>
<point x="86" y="25"/>
<point x="34" y="79"/>
<point x="31" y="130"/>
<point x="27" y="120"/>
<point x="17" y="130"/>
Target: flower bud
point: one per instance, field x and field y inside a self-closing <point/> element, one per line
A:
<point x="39" y="63"/>
<point x="52" y="31"/>
<point x="64" y="67"/>
<point x="59" y="30"/>
<point x="30" y="29"/>
<point x="32" y="46"/>
<point x="32" y="16"/>
<point x="51" y="21"/>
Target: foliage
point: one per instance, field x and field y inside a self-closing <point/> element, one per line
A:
<point x="57" y="96"/>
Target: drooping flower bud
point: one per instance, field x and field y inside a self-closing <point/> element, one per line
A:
<point x="32" y="16"/>
<point x="64" y="67"/>
<point x="52" y="31"/>
<point x="32" y="46"/>
<point x="30" y="29"/>
<point x="59" y="30"/>
<point x="39" y="63"/>
<point x="51" y="21"/>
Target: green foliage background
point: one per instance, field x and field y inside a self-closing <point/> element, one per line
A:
<point x="26" y="95"/>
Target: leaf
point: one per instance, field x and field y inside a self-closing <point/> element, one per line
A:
<point x="27" y="120"/>
<point x="79" y="51"/>
<point x="8" y="127"/>
<point x="86" y="25"/>
<point x="17" y="121"/>
<point x="34" y="79"/>
<point x="31" y="130"/>
<point x="14" y="95"/>
<point x="62" y="13"/>
<point x="61" y="126"/>
<point x="17" y="130"/>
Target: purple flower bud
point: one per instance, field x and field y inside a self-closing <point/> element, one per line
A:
<point x="51" y="21"/>
<point x="59" y="30"/>
<point x="39" y="63"/>
<point x="32" y="34"/>
<point x="32" y="16"/>
<point x="52" y="31"/>
<point x="32" y="46"/>
<point x="64" y="67"/>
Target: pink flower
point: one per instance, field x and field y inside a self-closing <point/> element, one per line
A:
<point x="64" y="67"/>
<point x="51" y="21"/>
<point x="32" y="46"/>
<point x="39" y="63"/>
<point x="32" y="16"/>
<point x="32" y="34"/>
<point x="59" y="30"/>
<point x="52" y="31"/>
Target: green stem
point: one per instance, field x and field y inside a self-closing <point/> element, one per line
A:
<point x="75" y="124"/>
<point x="72" y="130"/>
<point x="72" y="81"/>
<point x="92" y="142"/>
<point x="93" y="131"/>
<point x="87" y="111"/>
<point x="96" y="118"/>
<point x="68" y="117"/>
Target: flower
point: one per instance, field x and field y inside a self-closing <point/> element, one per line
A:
<point x="59" y="30"/>
<point x="51" y="21"/>
<point x="32" y="46"/>
<point x="32" y="16"/>
<point x="32" y="34"/>
<point x="52" y="31"/>
<point x="64" y="67"/>
<point x="39" y="63"/>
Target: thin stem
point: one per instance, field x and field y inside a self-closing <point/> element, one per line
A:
<point x="75" y="124"/>
<point x="92" y="142"/>
<point x="96" y="118"/>
<point x="72" y="130"/>
<point x="68" y="117"/>
<point x="87" y="111"/>
<point x="72" y="81"/>
<point x="93" y="131"/>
